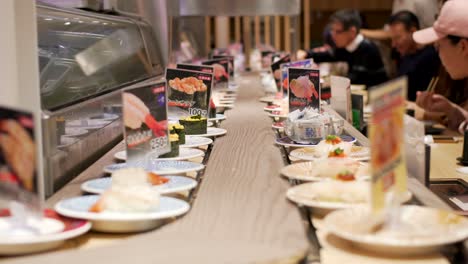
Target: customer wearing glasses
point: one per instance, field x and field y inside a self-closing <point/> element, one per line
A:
<point x="365" y="65"/>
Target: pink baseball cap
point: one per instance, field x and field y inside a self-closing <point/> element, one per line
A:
<point x="452" y="20"/>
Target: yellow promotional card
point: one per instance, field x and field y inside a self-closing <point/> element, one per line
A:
<point x="387" y="142"/>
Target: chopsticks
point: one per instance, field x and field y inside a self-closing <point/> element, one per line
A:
<point x="432" y="84"/>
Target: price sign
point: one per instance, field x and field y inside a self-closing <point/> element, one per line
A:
<point x="145" y="121"/>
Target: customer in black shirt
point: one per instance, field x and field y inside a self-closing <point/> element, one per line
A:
<point x="420" y="63"/>
<point x="365" y="65"/>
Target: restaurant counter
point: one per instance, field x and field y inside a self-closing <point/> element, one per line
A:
<point x="239" y="212"/>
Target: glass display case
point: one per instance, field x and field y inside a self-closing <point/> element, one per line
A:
<point x="85" y="59"/>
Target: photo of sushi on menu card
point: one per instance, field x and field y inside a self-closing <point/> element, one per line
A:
<point x="306" y="64"/>
<point x="276" y="70"/>
<point x="145" y="122"/>
<point x="304" y="89"/>
<point x="17" y="151"/>
<point x="221" y="72"/>
<point x="189" y="92"/>
<point x="231" y="63"/>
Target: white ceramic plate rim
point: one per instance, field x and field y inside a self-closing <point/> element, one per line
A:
<point x="118" y="217"/>
<point x="121" y="155"/>
<point x="267" y="99"/>
<point x="208" y="141"/>
<point x="60" y="236"/>
<point x="168" y="172"/>
<point x="217" y="118"/>
<point x="215" y="131"/>
<point x="302" y="145"/>
<point x="297" y="154"/>
<point x="301" y="177"/>
<point x="271" y="109"/>
<point x="328" y="205"/>
<point x="193" y="183"/>
<point x="278" y="116"/>
<point x="392" y="242"/>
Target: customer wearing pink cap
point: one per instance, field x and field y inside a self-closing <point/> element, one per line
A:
<point x="450" y="35"/>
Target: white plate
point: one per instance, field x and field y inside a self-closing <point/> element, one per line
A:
<point x="174" y="185"/>
<point x="218" y="117"/>
<point x="287" y="142"/>
<point x="422" y="230"/>
<point x="226" y="100"/>
<point x="193" y="142"/>
<point x="184" y="154"/>
<point x="228" y="96"/>
<point x="327" y="196"/>
<point x="114" y="222"/>
<point x="278" y="125"/>
<point x="275" y="114"/>
<point x="32" y="244"/>
<point x="225" y="105"/>
<point x="272" y="108"/>
<point x="210" y="124"/>
<point x="357" y="153"/>
<point x="308" y="171"/>
<point x="163" y="167"/>
<point x="267" y="99"/>
<point x="212" y="132"/>
<point x="88" y="123"/>
<point x="75" y="132"/>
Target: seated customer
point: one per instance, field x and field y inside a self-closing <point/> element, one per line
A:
<point x="425" y="10"/>
<point x="420" y="63"/>
<point x="362" y="56"/>
<point x="450" y="34"/>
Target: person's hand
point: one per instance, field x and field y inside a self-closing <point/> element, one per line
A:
<point x="19" y="151"/>
<point x="323" y="48"/>
<point x="434" y="102"/>
<point x="301" y="54"/>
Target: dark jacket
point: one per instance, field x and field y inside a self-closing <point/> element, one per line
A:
<point x="420" y="67"/>
<point x="365" y="65"/>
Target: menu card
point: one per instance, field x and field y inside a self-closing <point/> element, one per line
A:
<point x="18" y="164"/>
<point x="304" y="89"/>
<point x="145" y="122"/>
<point x="276" y="70"/>
<point x="195" y="67"/>
<point x="306" y="64"/>
<point x="231" y="63"/>
<point x="221" y="72"/>
<point x="188" y="92"/>
<point x="389" y="179"/>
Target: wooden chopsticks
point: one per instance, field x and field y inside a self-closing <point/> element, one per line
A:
<point x="432" y="84"/>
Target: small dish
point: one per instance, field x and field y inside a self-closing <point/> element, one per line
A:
<point x="114" y="222"/>
<point x="163" y="167"/>
<point x="421" y="230"/>
<point x="21" y="245"/>
<point x="212" y="132"/>
<point x="357" y="152"/>
<point x="184" y="154"/>
<point x="326" y="169"/>
<point x="219" y="117"/>
<point x="288" y="142"/>
<point x="174" y="185"/>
